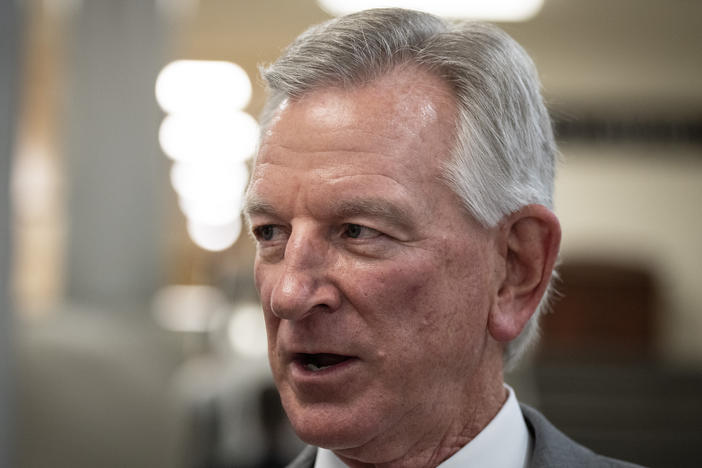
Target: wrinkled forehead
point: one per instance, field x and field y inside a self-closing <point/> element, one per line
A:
<point x="402" y="104"/>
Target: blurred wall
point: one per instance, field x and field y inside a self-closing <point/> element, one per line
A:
<point x="638" y="204"/>
<point x="9" y="32"/>
<point x="94" y="370"/>
<point x="114" y="168"/>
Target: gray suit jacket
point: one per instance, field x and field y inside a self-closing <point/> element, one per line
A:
<point x="552" y="449"/>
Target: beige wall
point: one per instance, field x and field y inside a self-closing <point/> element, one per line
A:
<point x="642" y="204"/>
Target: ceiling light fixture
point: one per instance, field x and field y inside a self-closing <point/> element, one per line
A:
<point x="485" y="10"/>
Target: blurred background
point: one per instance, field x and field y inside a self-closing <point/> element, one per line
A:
<point x="130" y="330"/>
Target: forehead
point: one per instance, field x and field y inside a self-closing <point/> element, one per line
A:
<point x="392" y="134"/>
<point x="402" y="106"/>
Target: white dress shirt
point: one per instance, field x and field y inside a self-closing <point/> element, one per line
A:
<point x="504" y="443"/>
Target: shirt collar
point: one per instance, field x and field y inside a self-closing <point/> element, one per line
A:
<point x="327" y="459"/>
<point x="504" y="443"/>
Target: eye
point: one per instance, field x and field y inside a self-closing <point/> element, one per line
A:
<point x="357" y="231"/>
<point x="266" y="232"/>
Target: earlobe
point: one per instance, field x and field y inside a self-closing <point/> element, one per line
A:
<point x="529" y="243"/>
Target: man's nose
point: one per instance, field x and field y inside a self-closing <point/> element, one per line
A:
<point x="304" y="285"/>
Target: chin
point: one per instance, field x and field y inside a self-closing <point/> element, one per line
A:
<point x="329" y="426"/>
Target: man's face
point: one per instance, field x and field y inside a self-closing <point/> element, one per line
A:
<point x="375" y="282"/>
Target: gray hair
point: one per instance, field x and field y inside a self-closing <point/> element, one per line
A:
<point x="504" y="153"/>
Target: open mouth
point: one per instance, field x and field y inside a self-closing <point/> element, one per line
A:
<point x="321" y="361"/>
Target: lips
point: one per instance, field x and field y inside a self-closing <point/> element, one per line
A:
<point x="319" y="361"/>
<point x="325" y="376"/>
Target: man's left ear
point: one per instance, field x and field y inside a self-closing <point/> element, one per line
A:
<point x="529" y="243"/>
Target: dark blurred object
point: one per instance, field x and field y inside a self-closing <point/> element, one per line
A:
<point x="648" y="130"/>
<point x="10" y="24"/>
<point x="597" y="374"/>
<point x="602" y="313"/>
<point x="93" y="390"/>
<point x="235" y="415"/>
<point x="644" y="414"/>
<point x="276" y="424"/>
<point x="209" y="432"/>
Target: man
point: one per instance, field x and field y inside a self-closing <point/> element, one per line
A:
<point x="401" y="203"/>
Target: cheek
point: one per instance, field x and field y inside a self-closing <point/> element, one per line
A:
<point x="422" y="300"/>
<point x="397" y="297"/>
<point x="392" y="283"/>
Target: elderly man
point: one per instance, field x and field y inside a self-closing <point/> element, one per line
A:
<point x="401" y="204"/>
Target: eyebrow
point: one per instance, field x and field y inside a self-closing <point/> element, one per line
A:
<point x="348" y="208"/>
<point x="374" y="208"/>
<point x="254" y="205"/>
